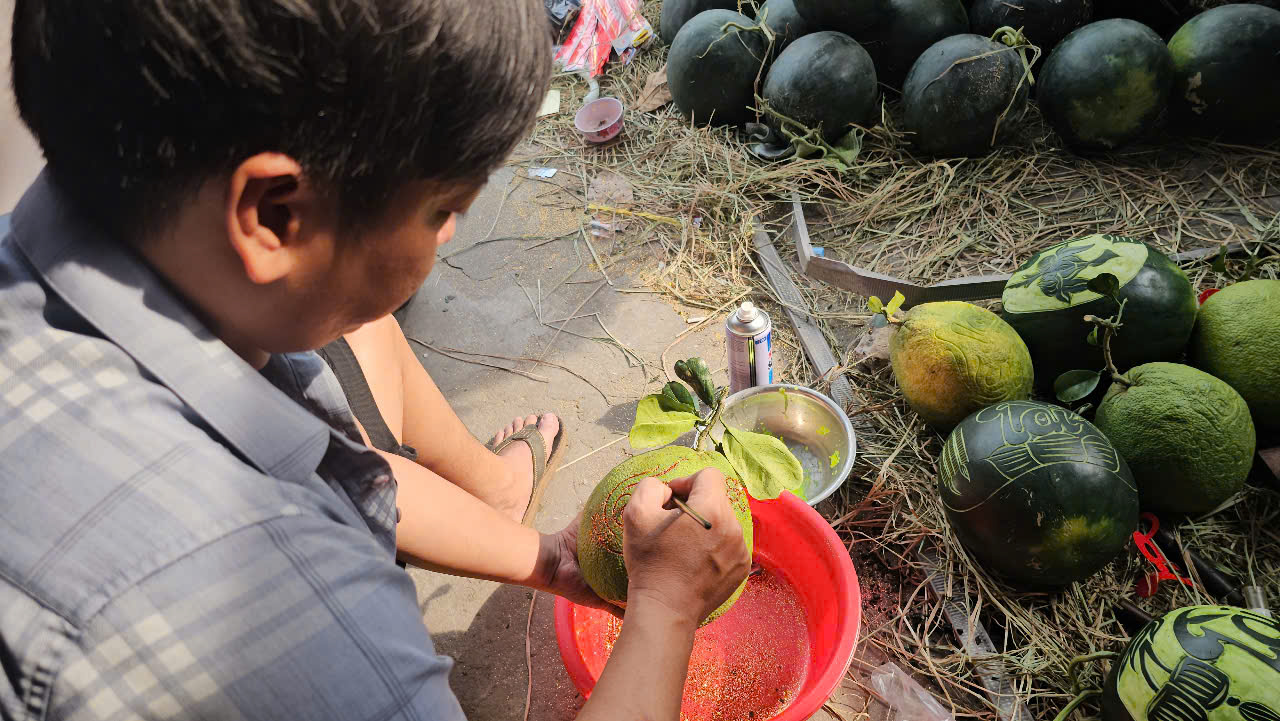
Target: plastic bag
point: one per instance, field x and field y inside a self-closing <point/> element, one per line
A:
<point x="905" y="697"/>
<point x="561" y="14"/>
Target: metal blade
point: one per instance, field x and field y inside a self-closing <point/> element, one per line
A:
<point x="987" y="663"/>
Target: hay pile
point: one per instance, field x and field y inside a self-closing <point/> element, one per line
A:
<point x="696" y="194"/>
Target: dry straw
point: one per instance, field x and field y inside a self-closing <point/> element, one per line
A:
<point x="697" y="192"/>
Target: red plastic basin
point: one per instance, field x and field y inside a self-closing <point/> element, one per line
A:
<point x="794" y="541"/>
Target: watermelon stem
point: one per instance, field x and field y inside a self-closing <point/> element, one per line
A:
<point x="1074" y="667"/>
<point x="1075" y="703"/>
<point x="1018" y="43"/>
<point x="799" y="134"/>
<point x="759" y="27"/>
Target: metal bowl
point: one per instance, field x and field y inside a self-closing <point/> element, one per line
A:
<point x="811" y="424"/>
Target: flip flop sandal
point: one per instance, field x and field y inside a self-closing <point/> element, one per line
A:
<point x="544" y="466"/>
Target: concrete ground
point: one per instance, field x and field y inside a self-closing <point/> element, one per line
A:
<point x="480" y="301"/>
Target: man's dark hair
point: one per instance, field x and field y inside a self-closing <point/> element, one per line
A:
<point x="136" y="102"/>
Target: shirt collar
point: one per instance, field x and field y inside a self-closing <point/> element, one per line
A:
<point x="121" y="296"/>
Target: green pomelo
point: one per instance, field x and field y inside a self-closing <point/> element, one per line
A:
<point x="1186" y="435"/>
<point x="960" y="92"/>
<point x="952" y="358"/>
<point x="1237" y="338"/>
<point x="1036" y="493"/>
<point x="1212" y="663"/>
<point x="1048" y="297"/>
<point x="1105" y="84"/>
<point x="1227" y="73"/>
<point x="600" y="533"/>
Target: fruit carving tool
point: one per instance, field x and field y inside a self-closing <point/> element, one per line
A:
<point x="1219" y="585"/>
<point x="975" y="642"/>
<point x="1132" y="618"/>
<point x="692" y="513"/>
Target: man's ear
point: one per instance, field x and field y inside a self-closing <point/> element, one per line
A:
<point x="266" y="199"/>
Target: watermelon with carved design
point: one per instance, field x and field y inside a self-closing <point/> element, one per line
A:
<point x="1037" y="494"/>
<point x="1198" y="663"/>
<point x="1048" y="297"/>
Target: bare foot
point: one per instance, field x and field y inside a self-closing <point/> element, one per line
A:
<point x="519" y="459"/>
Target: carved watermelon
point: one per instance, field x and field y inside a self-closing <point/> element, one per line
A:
<point x="1036" y="493"/>
<point x="1201" y="663"/>
<point x="1047" y="299"/>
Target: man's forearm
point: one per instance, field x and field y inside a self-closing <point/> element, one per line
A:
<point x="644" y="678"/>
<point x="444" y="528"/>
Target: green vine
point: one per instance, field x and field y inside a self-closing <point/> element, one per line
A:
<point x="1015" y="41"/>
<point x="759" y="27"/>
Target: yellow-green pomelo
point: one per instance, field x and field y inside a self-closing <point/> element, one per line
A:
<point x="1237" y="338"/>
<point x="1186" y="436"/>
<point x="953" y="358"/>
<point x="600" y="534"/>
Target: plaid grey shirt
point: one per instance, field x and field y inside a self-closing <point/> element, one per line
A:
<point x="182" y="536"/>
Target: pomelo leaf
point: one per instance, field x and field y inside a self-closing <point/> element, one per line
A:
<point x="1093" y="337"/>
<point x="1074" y="385"/>
<point x="1219" y="264"/>
<point x="766" y="464"/>
<point x="659" y="421"/>
<point x="679" y="398"/>
<point x="874" y="305"/>
<point x="895" y="303"/>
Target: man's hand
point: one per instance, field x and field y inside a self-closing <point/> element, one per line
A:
<point x="671" y="559"/>
<point x="560" y="573"/>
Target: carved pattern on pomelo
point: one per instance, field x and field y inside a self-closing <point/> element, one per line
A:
<point x="606" y="526"/>
<point x="967" y="343"/>
<point x="952" y="358"/>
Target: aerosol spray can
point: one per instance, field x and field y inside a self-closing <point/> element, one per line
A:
<point x="750" y="337"/>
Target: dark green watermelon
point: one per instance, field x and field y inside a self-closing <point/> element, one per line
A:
<point x="1162" y="16"/>
<point x="1217" y="663"/>
<point x="1044" y="22"/>
<point x="1047" y="299"/>
<point x="1105" y="84"/>
<point x="713" y="66"/>
<point x="825" y="80"/>
<point x="847" y="16"/>
<point x="1036" y="493"/>
<point x="787" y="25"/>
<point x="1226" y="73"/>
<point x="955" y="109"/>
<point x="675" y="13"/>
<point x="906" y="28"/>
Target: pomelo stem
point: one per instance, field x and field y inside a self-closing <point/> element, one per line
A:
<point x="711" y="422"/>
<point x="1109" y="327"/>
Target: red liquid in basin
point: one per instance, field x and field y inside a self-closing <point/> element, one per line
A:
<point x="783" y="647"/>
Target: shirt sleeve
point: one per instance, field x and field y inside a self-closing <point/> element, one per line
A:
<point x="298" y="617"/>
